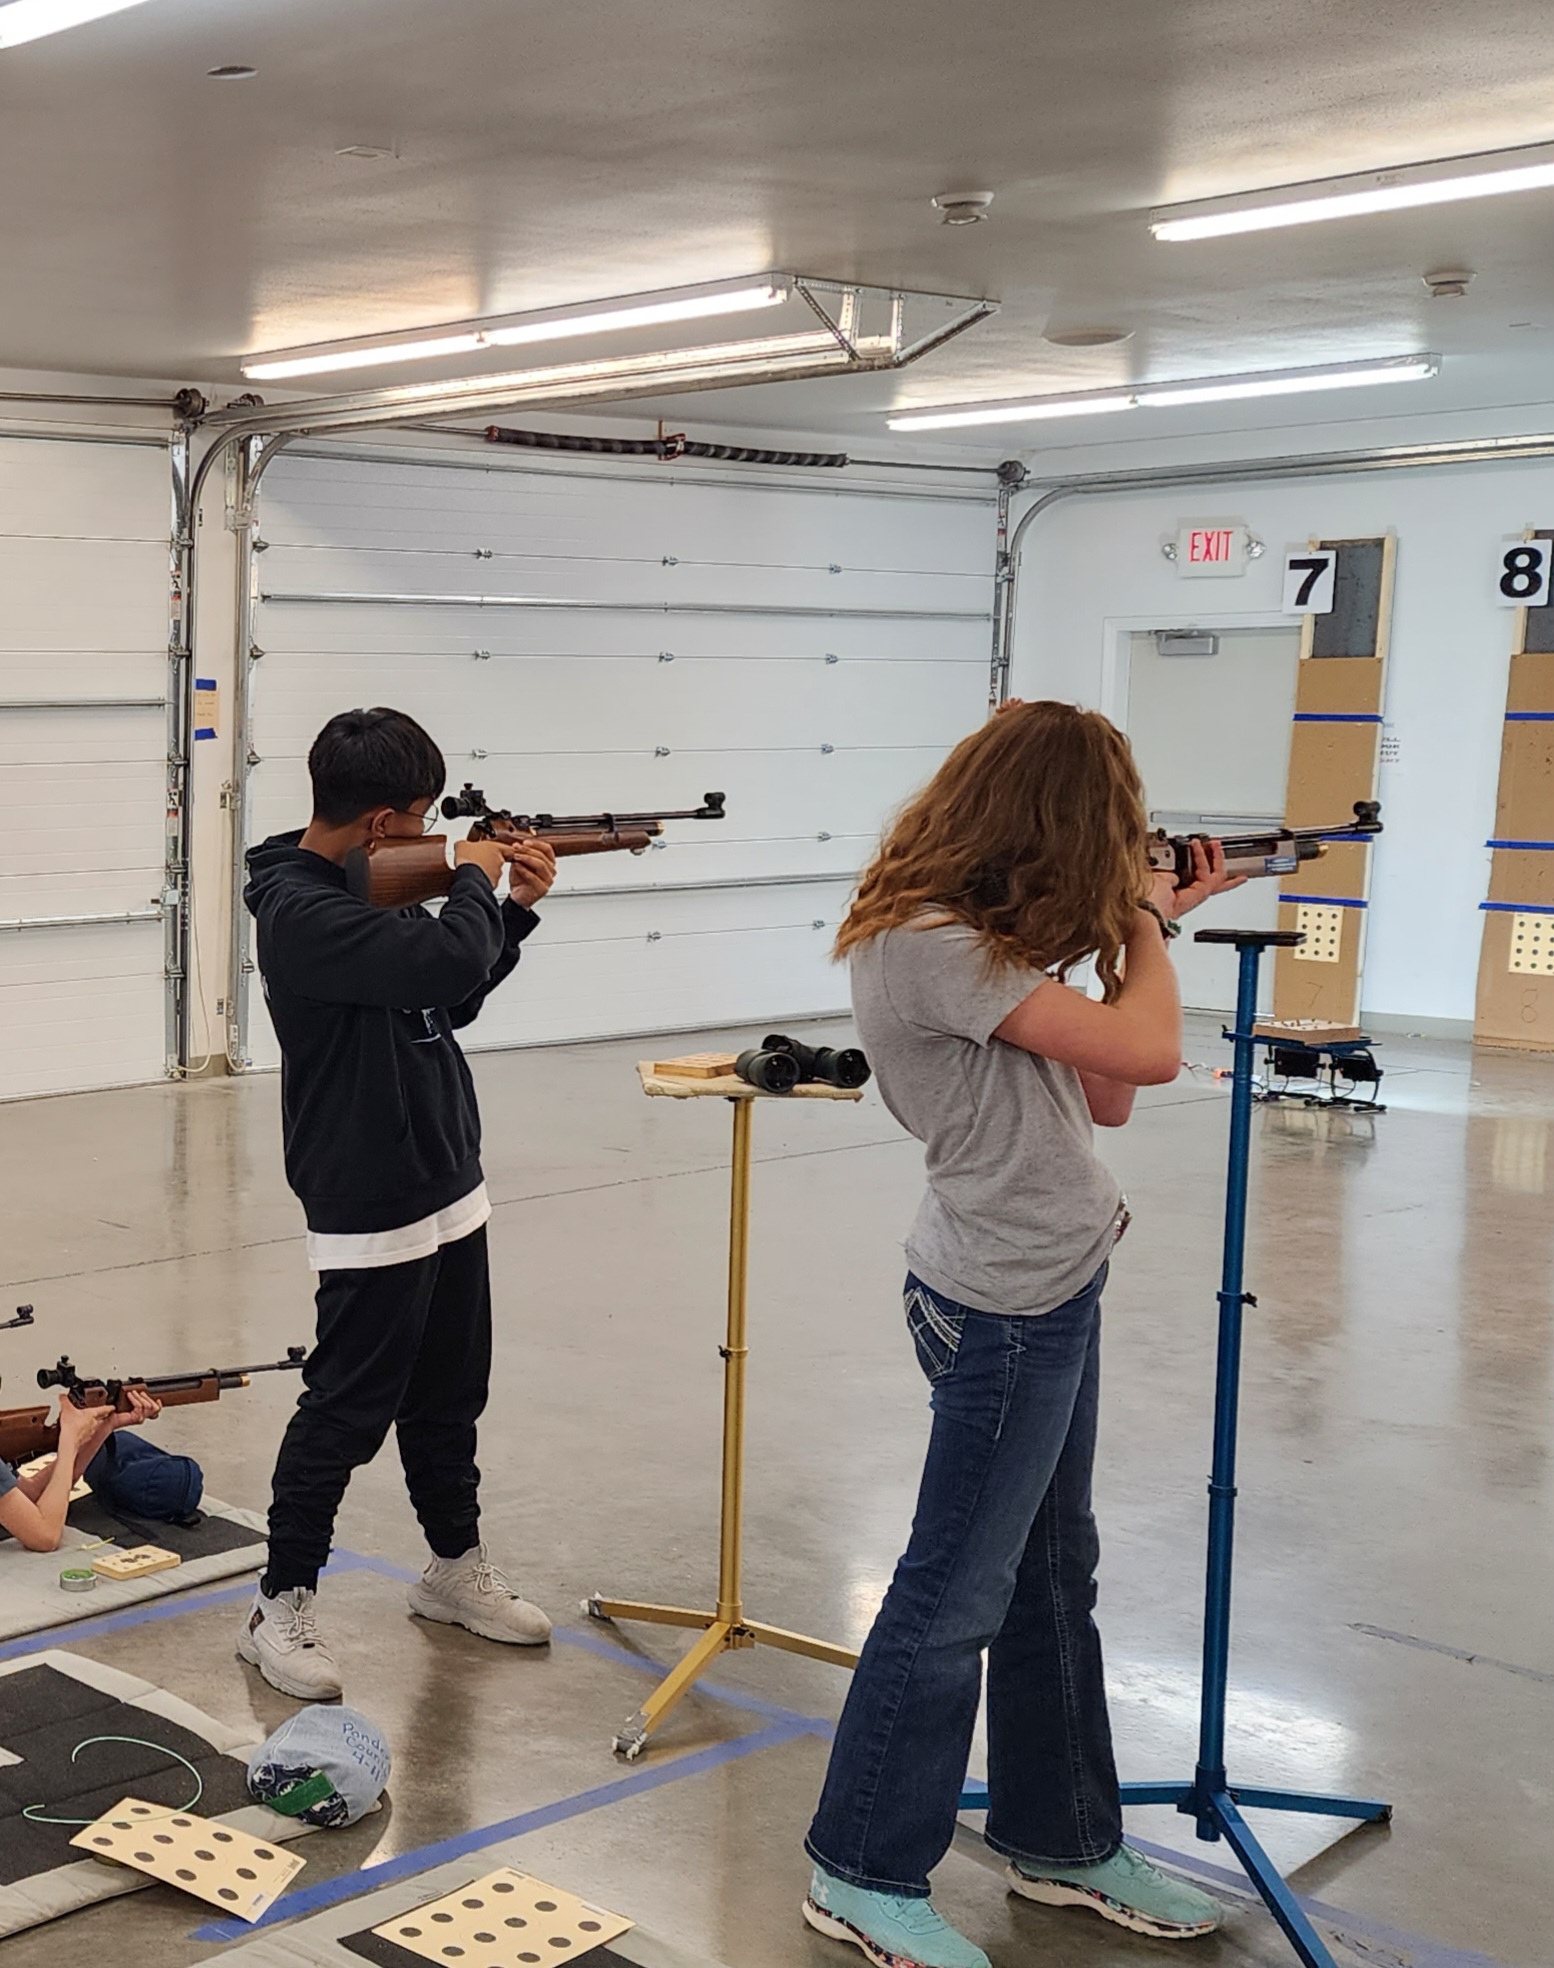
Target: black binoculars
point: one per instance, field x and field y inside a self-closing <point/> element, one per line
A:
<point x="779" y="1064"/>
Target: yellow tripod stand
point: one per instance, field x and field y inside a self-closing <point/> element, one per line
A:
<point x="726" y="1628"/>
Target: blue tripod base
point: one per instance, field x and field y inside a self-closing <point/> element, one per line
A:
<point x="1217" y="1809"/>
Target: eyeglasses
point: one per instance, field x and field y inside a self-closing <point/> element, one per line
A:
<point x="425" y="821"/>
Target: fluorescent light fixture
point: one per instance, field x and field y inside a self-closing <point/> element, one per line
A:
<point x="31" y="20"/>
<point x="696" y="308"/>
<point x="660" y="369"/>
<point x="322" y="365"/>
<point x="1164" y="396"/>
<point x="1489" y="175"/>
<point x="460" y="340"/>
<point x="1290" y="382"/>
<point x="1009" y="413"/>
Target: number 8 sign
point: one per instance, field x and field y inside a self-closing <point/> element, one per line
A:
<point x="1309" y="581"/>
<point x="1522" y="578"/>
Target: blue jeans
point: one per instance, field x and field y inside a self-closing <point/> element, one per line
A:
<point x="1002" y="1558"/>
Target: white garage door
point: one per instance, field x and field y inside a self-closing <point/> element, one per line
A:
<point x="581" y="640"/>
<point x="84" y="597"/>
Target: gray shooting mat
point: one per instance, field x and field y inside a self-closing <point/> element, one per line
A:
<point x="342" y="1937"/>
<point x="52" y="1701"/>
<point x="225" y="1543"/>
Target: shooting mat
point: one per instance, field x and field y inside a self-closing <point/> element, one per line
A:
<point x="224" y="1544"/>
<point x="343" y="1936"/>
<point x="49" y="1703"/>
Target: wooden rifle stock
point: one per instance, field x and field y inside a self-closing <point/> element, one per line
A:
<point x="28" y="1432"/>
<point x="396" y="874"/>
<point x="392" y="874"/>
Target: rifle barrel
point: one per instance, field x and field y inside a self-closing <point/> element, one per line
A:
<point x="590" y="823"/>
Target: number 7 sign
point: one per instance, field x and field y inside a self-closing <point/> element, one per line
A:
<point x="1309" y="576"/>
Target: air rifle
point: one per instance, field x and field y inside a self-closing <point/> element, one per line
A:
<point x="28" y="1432"/>
<point x="1278" y="851"/>
<point x="393" y="874"/>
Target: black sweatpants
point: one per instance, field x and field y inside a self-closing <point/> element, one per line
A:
<point x="407" y="1345"/>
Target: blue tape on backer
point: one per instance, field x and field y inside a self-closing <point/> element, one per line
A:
<point x="1337" y="717"/>
<point x="1537" y="847"/>
<point x="205" y="683"/>
<point x="206" y="731"/>
<point x="1350" y="836"/>
<point x="1529" y="717"/>
<point x="1327" y="901"/>
<point x="1518" y="908"/>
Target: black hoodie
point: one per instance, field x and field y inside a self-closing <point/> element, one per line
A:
<point x="378" y="1111"/>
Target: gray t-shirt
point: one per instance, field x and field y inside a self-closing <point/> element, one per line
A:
<point x="8" y="1478"/>
<point x="1019" y="1214"/>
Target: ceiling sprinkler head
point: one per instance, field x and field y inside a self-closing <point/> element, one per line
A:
<point x="960" y="208"/>
<point x="1448" y="283"/>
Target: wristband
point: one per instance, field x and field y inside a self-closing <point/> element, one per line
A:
<point x="1167" y="929"/>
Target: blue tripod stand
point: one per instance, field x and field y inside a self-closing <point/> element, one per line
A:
<point x="1211" y="1799"/>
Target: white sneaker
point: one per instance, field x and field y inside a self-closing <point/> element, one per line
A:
<point x="470" y="1591"/>
<point x="280" y="1638"/>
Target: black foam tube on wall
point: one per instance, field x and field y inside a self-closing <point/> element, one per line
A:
<point x="665" y="449"/>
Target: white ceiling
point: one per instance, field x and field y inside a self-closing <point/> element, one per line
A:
<point x="157" y="223"/>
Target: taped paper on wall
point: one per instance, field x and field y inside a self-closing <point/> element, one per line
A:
<point x="207" y="707"/>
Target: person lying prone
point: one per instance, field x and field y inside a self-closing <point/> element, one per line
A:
<point x="32" y="1508"/>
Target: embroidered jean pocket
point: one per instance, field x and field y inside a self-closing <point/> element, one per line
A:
<point x="936" y="1329"/>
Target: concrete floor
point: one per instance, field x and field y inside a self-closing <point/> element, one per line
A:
<point x="1395" y="1476"/>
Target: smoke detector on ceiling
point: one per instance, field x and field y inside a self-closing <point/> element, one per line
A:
<point x="962" y="208"/>
<point x="1448" y="283"/>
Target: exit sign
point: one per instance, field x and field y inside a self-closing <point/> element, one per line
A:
<point x="1212" y="548"/>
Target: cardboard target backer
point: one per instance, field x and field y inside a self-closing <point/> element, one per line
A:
<point x="506" y="1920"/>
<point x="215" y="1863"/>
<point x="1334" y="761"/>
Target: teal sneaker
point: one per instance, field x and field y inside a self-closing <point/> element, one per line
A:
<point x="1125" y="1889"/>
<point x="894" y="1932"/>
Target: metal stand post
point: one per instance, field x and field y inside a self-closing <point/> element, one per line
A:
<point x="726" y="1628"/>
<point x="1211" y="1799"/>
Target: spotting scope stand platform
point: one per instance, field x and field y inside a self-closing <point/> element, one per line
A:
<point x="1210" y="1798"/>
<point x="724" y="1629"/>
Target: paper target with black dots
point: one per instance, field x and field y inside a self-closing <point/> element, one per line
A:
<point x="506" y="1920"/>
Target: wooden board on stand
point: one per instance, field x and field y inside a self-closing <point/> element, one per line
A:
<point x="1335" y="752"/>
<point x="676" y="1086"/>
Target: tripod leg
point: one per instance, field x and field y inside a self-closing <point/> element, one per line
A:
<point x="1155" y="1793"/>
<point x="1366" y="1809"/>
<point x="1282" y="1903"/>
<point x="675" y="1686"/>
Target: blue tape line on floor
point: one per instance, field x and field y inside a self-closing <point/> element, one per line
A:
<point x="170" y="1605"/>
<point x="1418" y="1950"/>
<point x="351" y="1885"/>
<point x="786" y="1726"/>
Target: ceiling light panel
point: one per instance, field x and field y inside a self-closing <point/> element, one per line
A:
<point x="1164" y="396"/>
<point x="30" y="20"/>
<point x="1009" y="413"/>
<point x="1490" y="175"/>
<point x="461" y="339"/>
<point x="1290" y="382"/>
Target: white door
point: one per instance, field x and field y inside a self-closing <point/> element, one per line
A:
<point x="85" y="527"/>
<point x="1211" y="735"/>
<point x="583" y="639"/>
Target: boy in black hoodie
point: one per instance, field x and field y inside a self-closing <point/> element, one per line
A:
<point x="382" y="1146"/>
